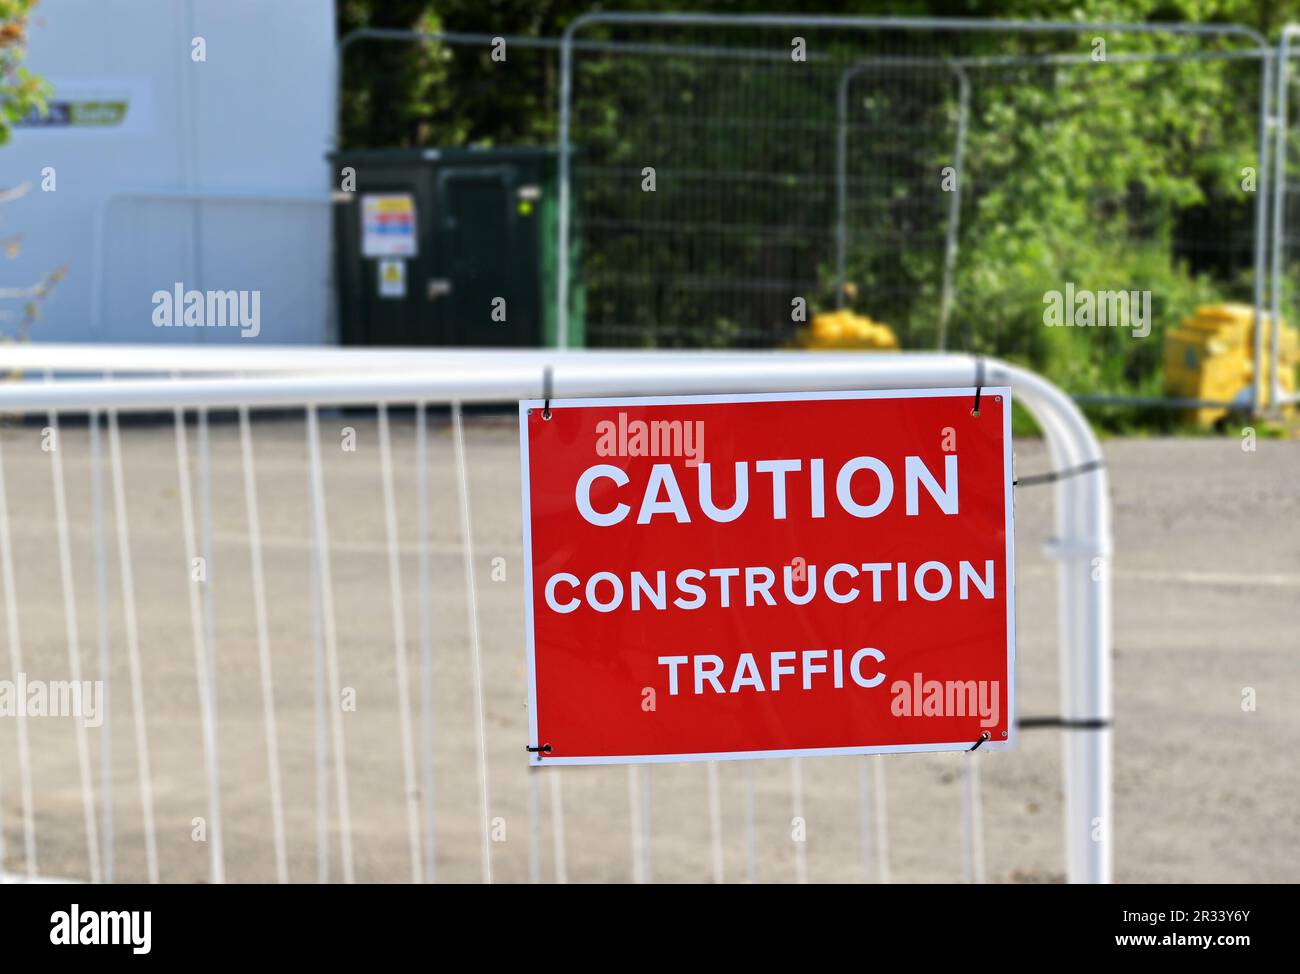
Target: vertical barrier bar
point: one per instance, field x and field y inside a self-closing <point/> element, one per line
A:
<point x="74" y="644"/>
<point x="801" y="844"/>
<point x="320" y="749"/>
<point x="972" y="823"/>
<point x="715" y="821"/>
<point x="105" y="676"/>
<point x="634" y="822"/>
<point x="882" y="819"/>
<point x="320" y="540"/>
<point x="647" y="821"/>
<point x="534" y="828"/>
<point x="131" y="630"/>
<point x="638" y="800"/>
<point x="426" y="634"/>
<point x="864" y="813"/>
<point x="557" y="827"/>
<point x="270" y="728"/>
<point x="14" y="636"/>
<point x="206" y="678"/>
<point x="751" y="842"/>
<point x="399" y="648"/>
<point x="209" y="613"/>
<point x="1084" y="581"/>
<point x="471" y="602"/>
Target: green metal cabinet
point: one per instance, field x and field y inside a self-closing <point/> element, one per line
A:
<point x="448" y="247"/>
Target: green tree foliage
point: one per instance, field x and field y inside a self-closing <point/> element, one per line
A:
<point x="20" y="91"/>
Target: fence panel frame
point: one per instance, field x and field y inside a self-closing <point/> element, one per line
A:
<point x="290" y="377"/>
<point x="1263" y="49"/>
<point x="1277" y="396"/>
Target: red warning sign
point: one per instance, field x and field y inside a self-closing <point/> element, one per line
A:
<point x="714" y="577"/>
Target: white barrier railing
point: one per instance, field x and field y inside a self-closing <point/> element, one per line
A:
<point x="313" y="378"/>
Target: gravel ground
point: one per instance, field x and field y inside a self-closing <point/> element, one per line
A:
<point x="1207" y="586"/>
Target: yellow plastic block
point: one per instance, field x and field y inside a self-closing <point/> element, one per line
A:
<point x="843" y="329"/>
<point x="1211" y="356"/>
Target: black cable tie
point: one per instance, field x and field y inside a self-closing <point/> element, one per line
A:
<point x="544" y="749"/>
<point x="984" y="736"/>
<point x="979" y="385"/>
<point x="1054" y="475"/>
<point x="547" y="383"/>
<point x="1064" y="723"/>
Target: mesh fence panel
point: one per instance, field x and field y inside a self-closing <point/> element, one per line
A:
<point x="1109" y="162"/>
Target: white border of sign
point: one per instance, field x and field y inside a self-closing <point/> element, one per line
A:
<point x="968" y="392"/>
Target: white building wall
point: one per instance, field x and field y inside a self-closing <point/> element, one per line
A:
<point x="251" y="125"/>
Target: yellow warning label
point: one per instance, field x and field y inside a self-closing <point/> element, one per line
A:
<point x="392" y="278"/>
